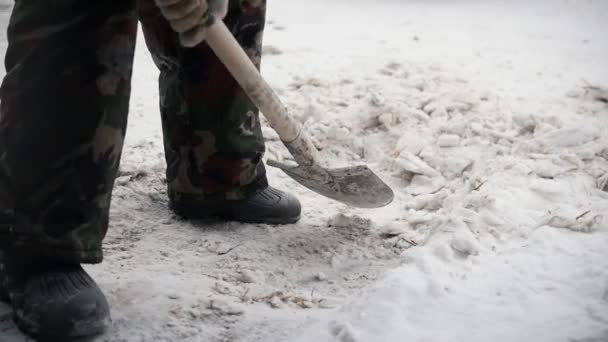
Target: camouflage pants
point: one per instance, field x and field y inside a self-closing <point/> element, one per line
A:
<point x="64" y="110"/>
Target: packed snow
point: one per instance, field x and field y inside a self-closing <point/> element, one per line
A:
<point x="489" y="119"/>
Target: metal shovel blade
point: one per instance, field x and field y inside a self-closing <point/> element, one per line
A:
<point x="356" y="186"/>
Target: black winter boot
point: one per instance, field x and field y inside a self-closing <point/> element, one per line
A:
<point x="269" y="206"/>
<point x="52" y="301"/>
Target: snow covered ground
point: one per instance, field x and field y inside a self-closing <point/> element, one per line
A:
<point x="490" y="121"/>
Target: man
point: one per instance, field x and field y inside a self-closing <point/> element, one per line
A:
<point x="63" y="116"/>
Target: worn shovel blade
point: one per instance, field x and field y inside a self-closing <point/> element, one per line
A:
<point x="356" y="186"/>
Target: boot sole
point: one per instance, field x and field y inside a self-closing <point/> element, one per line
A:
<point x="86" y="331"/>
<point x="227" y="216"/>
<point x="241" y="219"/>
<point x="267" y="220"/>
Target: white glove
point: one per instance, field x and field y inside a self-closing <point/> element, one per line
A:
<point x="190" y="18"/>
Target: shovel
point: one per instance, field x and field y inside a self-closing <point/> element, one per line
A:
<point x="357" y="186"/>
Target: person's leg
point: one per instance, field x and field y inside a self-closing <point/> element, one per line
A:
<point x="63" y="116"/>
<point x="63" y="113"/>
<point x="213" y="138"/>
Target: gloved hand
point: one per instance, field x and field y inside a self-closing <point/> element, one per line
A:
<point x="190" y="18"/>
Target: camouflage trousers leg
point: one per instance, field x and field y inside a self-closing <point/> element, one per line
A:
<point x="212" y="134"/>
<point x="63" y="115"/>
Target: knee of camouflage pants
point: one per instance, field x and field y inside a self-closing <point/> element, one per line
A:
<point x="213" y="138"/>
<point x="63" y="116"/>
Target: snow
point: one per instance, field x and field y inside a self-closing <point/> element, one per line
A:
<point x="488" y="119"/>
<point x="538" y="292"/>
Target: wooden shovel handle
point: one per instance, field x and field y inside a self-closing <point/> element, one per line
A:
<point x="228" y="50"/>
